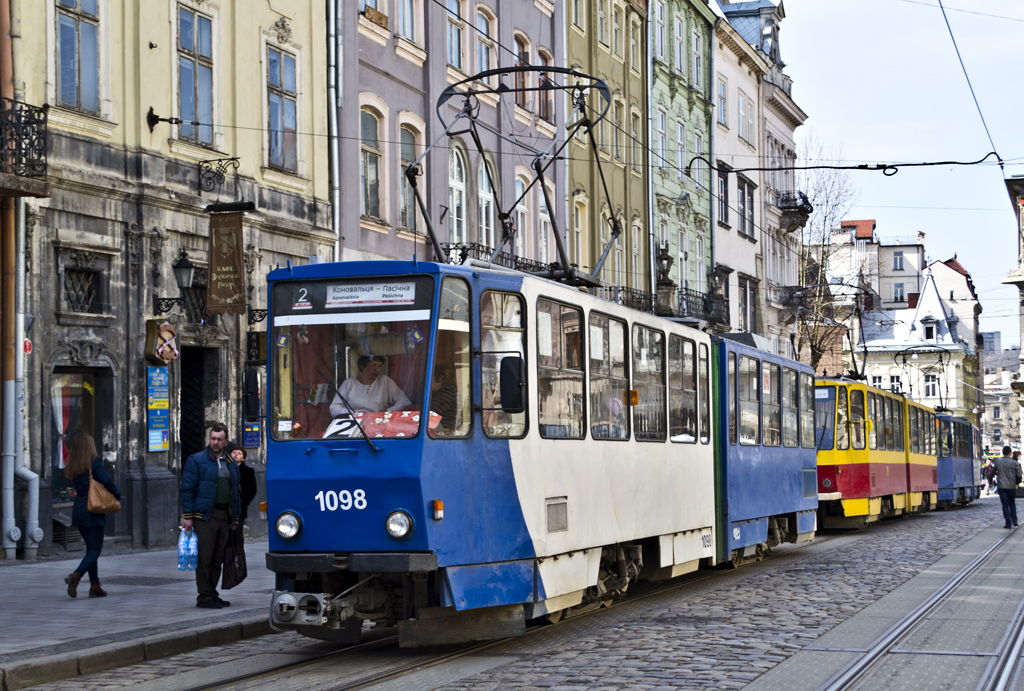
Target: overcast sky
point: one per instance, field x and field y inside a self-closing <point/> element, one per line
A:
<point x="882" y="79"/>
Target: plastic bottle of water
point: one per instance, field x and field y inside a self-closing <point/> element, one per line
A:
<point x="183" y="555"/>
<point x="193" y="551"/>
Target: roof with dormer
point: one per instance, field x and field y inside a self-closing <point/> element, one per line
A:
<point x="958" y="267"/>
<point x="865" y="230"/>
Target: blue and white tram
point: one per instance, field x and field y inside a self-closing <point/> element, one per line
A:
<point x="959" y="460"/>
<point x="768" y="477"/>
<point x="458" y="449"/>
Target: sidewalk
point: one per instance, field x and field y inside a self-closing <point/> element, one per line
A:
<point x="150" y="613"/>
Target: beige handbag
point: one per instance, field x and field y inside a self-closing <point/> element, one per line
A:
<point x="100" y="499"/>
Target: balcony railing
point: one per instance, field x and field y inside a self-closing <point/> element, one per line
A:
<point x="22" y="139"/>
<point x="458" y="253"/>
<point x="710" y="307"/>
<point x="628" y="297"/>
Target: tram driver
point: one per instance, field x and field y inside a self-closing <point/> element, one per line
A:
<point x="370" y="391"/>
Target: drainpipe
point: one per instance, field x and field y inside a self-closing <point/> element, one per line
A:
<point x="11" y="532"/>
<point x="33" y="533"/>
<point x="712" y="183"/>
<point x="333" y="80"/>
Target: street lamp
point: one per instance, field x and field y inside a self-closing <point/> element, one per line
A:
<point x="184" y="272"/>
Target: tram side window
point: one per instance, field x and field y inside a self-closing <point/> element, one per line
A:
<point x="772" y="405"/>
<point x="825" y="417"/>
<point x="608" y="378"/>
<point x="807" y="394"/>
<point x="649" y="421"/>
<point x="502" y="334"/>
<point x="750" y="401"/>
<point x="704" y="392"/>
<point x="933" y="444"/>
<point x="897" y="415"/>
<point x="450" y="384"/>
<point x="915" y="430"/>
<point x="944" y="438"/>
<point x="731" y="394"/>
<point x="790" y="416"/>
<point x="857" y="418"/>
<point x="887" y="417"/>
<point x="682" y="390"/>
<point x="842" y="419"/>
<point x="560" y="410"/>
<point x="872" y="422"/>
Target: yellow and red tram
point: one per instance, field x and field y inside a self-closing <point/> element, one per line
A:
<point x="875" y="454"/>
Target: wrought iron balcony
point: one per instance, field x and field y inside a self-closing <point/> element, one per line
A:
<point x="458" y="253"/>
<point x="23" y="139"/>
<point x="628" y="297"/>
<point x="796" y="209"/>
<point x="710" y="307"/>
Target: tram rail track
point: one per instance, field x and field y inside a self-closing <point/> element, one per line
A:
<point x="1001" y="670"/>
<point x="462" y="651"/>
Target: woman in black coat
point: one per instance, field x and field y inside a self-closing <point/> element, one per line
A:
<point x="247" y="479"/>
<point x="83" y="459"/>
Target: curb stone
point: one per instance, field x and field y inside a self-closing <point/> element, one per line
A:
<point x="43" y="670"/>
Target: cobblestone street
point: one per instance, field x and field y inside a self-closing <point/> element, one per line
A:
<point x="720" y="629"/>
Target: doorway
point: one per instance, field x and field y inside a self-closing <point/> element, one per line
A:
<point x="200" y="387"/>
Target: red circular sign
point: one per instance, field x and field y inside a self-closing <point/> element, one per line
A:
<point x="28" y="346"/>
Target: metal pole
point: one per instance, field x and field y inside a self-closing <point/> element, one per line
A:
<point x="333" y="37"/>
<point x="33" y="533"/>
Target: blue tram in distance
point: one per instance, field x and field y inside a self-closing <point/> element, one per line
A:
<point x="767" y="466"/>
<point x="959" y="460"/>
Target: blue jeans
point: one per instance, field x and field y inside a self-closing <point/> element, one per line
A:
<point x="1009" y="499"/>
<point x="93" y="539"/>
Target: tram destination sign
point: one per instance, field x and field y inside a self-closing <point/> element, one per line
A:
<point x="370" y="295"/>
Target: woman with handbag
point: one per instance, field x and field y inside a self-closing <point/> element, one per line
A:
<point x="85" y="470"/>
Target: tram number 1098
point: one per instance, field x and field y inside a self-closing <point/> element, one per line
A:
<point x="344" y="500"/>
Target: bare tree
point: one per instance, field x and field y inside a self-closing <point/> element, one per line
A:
<point x="832" y="194"/>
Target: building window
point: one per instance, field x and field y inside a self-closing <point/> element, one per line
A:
<point x="78" y="54"/>
<point x="522" y="60"/>
<point x="407" y="19"/>
<point x="723" y="102"/>
<point x="659" y="29"/>
<point x="698" y="150"/>
<point x="636" y="255"/>
<point x="369" y="140"/>
<point x="680" y="45"/>
<point x="996" y="411"/>
<point x="579" y="219"/>
<point x="681" y="148"/>
<point x="619" y="131"/>
<point x="544" y="231"/>
<point x="683" y="256"/>
<point x="282" y="96"/>
<point x="635" y="145"/>
<point x="747" y="304"/>
<point x="485" y="208"/>
<point x="698" y="80"/>
<point x="80" y="290"/>
<point x="745" y="207"/>
<point x="723" y="198"/>
<point x="455" y="33"/>
<point x="931" y="389"/>
<point x="457" y="197"/>
<point x="741" y="99"/>
<point x="617" y="31"/>
<point x="751" y="129"/>
<point x="577" y="13"/>
<point x="634" y="46"/>
<point x="876" y="380"/>
<point x="701" y="271"/>
<point x="897" y="292"/>
<point x="484" y="44"/>
<point x="662" y="149"/>
<point x="522" y="218"/>
<point x="602" y="22"/>
<point x="545" y="96"/>
<point x="195" y="76"/>
<point x="894" y="383"/>
<point x="929" y="332"/>
<point x="897" y="261"/>
<point x="408" y="154"/>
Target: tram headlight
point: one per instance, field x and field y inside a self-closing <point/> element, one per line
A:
<point x="826" y="483"/>
<point x="398" y="525"/>
<point x="288" y="525"/>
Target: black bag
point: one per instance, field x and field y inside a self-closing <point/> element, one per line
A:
<point x="235" y="569"/>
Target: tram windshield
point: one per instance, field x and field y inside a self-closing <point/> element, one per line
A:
<point x="350" y="353"/>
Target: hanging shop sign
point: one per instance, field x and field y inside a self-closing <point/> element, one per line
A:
<point x="161" y="342"/>
<point x="158" y="404"/>
<point x="225" y="285"/>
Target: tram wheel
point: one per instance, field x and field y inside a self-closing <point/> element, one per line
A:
<point x="554" y="617"/>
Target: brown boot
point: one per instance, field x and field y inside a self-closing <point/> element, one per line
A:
<point x="72" y="580"/>
<point x="96" y="590"/>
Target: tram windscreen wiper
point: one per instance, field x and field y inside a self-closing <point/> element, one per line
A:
<point x="351" y="410"/>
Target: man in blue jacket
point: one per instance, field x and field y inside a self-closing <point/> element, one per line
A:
<point x="211" y="506"/>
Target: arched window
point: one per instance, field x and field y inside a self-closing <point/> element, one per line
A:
<point x="522" y="218"/>
<point x="369" y="136"/>
<point x="457" y="197"/>
<point x="522" y="60"/>
<point x="544" y="231"/>
<point x="485" y="211"/>
<point x="545" y="97"/>
<point x="408" y="153"/>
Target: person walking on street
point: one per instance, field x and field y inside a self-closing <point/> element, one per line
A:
<point x="1008" y="476"/>
<point x="210" y="504"/>
<point x="83" y="463"/>
<point x="247" y="478"/>
<point x="988" y="472"/>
